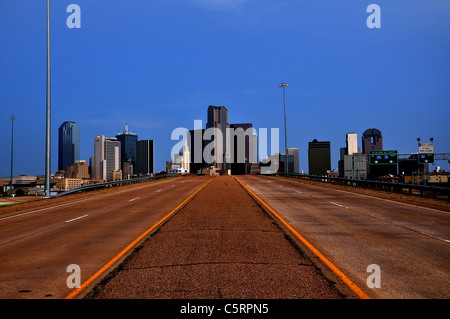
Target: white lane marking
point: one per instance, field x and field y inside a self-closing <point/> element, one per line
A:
<point x="79" y="201"/>
<point x="378" y="198"/>
<point x="71" y="220"/>
<point x="438" y="238"/>
<point x="133" y="199"/>
<point x="387" y="221"/>
<point x="338" y="204"/>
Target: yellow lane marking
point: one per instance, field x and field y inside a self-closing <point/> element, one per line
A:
<point x="330" y="265"/>
<point x="129" y="247"/>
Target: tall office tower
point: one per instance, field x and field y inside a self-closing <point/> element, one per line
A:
<point x="295" y="166"/>
<point x="196" y="145"/>
<point x="128" y="141"/>
<point x="342" y="153"/>
<point x="242" y="147"/>
<point x="106" y="159"/>
<point x="352" y="143"/>
<point x="218" y="120"/>
<point x="372" y="140"/>
<point x="145" y="152"/>
<point x="319" y="158"/>
<point x="353" y="164"/>
<point x="68" y="145"/>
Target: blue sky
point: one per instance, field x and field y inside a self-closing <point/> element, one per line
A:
<point x="158" y="65"/>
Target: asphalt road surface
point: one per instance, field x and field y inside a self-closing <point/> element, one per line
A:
<point x="410" y="244"/>
<point x="221" y="245"/>
<point x="38" y="244"/>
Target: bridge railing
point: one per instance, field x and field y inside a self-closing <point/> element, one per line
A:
<point x="387" y="186"/>
<point x="115" y="183"/>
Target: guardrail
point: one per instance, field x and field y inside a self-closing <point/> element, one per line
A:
<point x="115" y="183"/>
<point x="386" y="186"/>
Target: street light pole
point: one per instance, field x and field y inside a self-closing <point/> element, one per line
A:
<point x="12" y="118"/>
<point x="283" y="85"/>
<point x="47" y="134"/>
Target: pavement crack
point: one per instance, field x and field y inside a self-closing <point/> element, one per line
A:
<point x="223" y="230"/>
<point x="218" y="263"/>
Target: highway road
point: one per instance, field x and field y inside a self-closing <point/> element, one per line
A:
<point x="409" y="244"/>
<point x="37" y="245"/>
<point x="221" y="245"/>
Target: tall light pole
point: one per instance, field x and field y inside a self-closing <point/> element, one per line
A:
<point x="47" y="133"/>
<point x="12" y="118"/>
<point x="283" y="85"/>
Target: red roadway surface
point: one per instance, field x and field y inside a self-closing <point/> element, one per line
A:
<point x="221" y="245"/>
<point x="37" y="245"/>
<point x="225" y="242"/>
<point x="410" y="244"/>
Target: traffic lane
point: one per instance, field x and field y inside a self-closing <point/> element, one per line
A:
<point x="412" y="265"/>
<point x="35" y="266"/>
<point x="220" y="245"/>
<point x="28" y="222"/>
<point x="426" y="221"/>
<point x="91" y="236"/>
<point x="43" y="203"/>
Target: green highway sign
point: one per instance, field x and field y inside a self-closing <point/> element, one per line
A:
<point x="426" y="158"/>
<point x="383" y="157"/>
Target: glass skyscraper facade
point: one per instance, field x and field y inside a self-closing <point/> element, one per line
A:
<point x="128" y="142"/>
<point x="68" y="144"/>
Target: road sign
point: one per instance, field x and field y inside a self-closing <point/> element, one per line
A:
<point x="426" y="147"/>
<point x="426" y="158"/>
<point x="383" y="157"/>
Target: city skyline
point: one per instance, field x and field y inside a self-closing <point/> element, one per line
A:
<point x="343" y="77"/>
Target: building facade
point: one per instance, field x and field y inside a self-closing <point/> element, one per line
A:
<point x="216" y="128"/>
<point x="78" y="170"/>
<point x="196" y="145"/>
<point x="352" y="143"/>
<point x="242" y="148"/>
<point x="68" y="144"/>
<point x="355" y="166"/>
<point x="319" y="157"/>
<point x="295" y="167"/>
<point x="145" y="157"/>
<point x="128" y="142"/>
<point x="106" y="157"/>
<point x="372" y="140"/>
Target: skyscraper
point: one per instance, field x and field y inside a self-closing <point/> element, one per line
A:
<point x="128" y="141"/>
<point x="293" y="167"/>
<point x="372" y="140"/>
<point x="68" y="145"/>
<point x="319" y="158"/>
<point x="218" y="120"/>
<point x="352" y="143"/>
<point x="243" y="148"/>
<point x="196" y="145"/>
<point x="145" y="157"/>
<point x="106" y="159"/>
<point x="353" y="164"/>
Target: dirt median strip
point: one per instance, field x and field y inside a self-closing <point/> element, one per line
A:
<point x="220" y="245"/>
